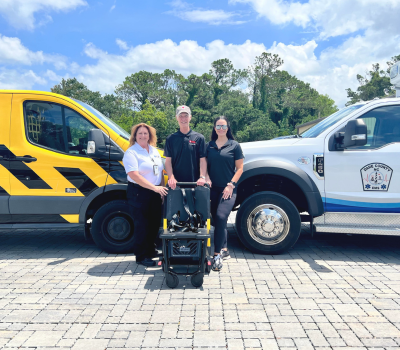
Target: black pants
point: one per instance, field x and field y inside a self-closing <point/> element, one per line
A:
<point x="220" y="210"/>
<point x="145" y="208"/>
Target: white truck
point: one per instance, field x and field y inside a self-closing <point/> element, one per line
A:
<point x="344" y="172"/>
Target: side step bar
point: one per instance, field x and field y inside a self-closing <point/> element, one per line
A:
<point x="370" y="230"/>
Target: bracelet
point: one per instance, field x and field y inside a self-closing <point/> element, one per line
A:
<point x="230" y="184"/>
<point x="202" y="177"/>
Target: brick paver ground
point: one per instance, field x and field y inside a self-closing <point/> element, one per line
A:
<point x="328" y="292"/>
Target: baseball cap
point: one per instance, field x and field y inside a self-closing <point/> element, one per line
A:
<point x="183" y="109"/>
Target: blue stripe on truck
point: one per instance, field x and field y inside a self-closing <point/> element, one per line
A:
<point x="339" y="205"/>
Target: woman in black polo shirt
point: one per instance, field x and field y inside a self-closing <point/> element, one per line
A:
<point x="224" y="156"/>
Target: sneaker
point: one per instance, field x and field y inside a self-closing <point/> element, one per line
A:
<point x="146" y="262"/>
<point x="225" y="254"/>
<point x="217" y="263"/>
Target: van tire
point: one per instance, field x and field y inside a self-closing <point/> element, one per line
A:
<point x="268" y="223"/>
<point x="112" y="228"/>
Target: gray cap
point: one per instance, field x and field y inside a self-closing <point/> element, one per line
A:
<point x="183" y="109"/>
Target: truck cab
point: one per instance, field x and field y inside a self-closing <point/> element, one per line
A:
<point x="61" y="167"/>
<point x="341" y="175"/>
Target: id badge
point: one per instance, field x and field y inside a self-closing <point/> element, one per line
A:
<point x="155" y="169"/>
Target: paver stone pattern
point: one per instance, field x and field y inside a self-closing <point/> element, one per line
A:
<point x="58" y="291"/>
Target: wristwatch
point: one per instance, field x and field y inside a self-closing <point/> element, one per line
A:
<point x="202" y="177"/>
<point x="233" y="183"/>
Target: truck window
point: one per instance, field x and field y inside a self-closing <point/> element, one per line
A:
<point x="56" y="127"/>
<point x="329" y="121"/>
<point x="383" y="126"/>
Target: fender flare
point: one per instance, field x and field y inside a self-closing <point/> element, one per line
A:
<point x="291" y="172"/>
<point x="96" y="193"/>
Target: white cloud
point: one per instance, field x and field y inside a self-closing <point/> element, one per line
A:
<point x="15" y="79"/>
<point x="330" y="73"/>
<point x="374" y="25"/>
<point x="187" y="57"/>
<point x="13" y="52"/>
<point x="185" y="12"/>
<point x="52" y="76"/>
<point x="122" y="44"/>
<point x="21" y="13"/>
<point x="336" y="68"/>
<point x="331" y="17"/>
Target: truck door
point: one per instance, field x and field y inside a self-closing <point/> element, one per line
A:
<point x="50" y="172"/>
<point x="5" y="108"/>
<point x="366" y="179"/>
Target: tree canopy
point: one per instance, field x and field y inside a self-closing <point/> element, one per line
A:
<point x="261" y="102"/>
<point x="375" y="83"/>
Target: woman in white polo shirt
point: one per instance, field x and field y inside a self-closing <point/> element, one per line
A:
<point x="144" y="168"/>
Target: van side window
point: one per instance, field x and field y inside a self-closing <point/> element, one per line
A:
<point x="383" y="127"/>
<point x="45" y="124"/>
<point x="77" y="131"/>
<point x="56" y="127"/>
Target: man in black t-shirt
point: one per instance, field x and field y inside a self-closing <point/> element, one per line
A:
<point x="185" y="152"/>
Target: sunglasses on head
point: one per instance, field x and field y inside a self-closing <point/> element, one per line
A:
<point x="223" y="127"/>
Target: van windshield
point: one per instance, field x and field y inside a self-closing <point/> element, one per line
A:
<point x="112" y="125"/>
<point x="329" y="121"/>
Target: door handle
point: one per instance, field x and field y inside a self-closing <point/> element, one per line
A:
<point x="26" y="159"/>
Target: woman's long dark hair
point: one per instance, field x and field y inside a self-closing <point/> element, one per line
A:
<point x="229" y="135"/>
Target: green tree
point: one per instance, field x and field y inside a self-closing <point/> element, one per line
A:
<point x="225" y="77"/>
<point x="205" y="129"/>
<point x="109" y="105"/>
<point x="247" y="123"/>
<point x="156" y="119"/>
<point x="275" y="103"/>
<point x="160" y="89"/>
<point x="259" y="78"/>
<point x="375" y="83"/>
<point x="262" y="128"/>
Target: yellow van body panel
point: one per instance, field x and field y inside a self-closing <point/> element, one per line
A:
<point x="5" y="108"/>
<point x="49" y="160"/>
<point x="40" y="183"/>
<point x="72" y="219"/>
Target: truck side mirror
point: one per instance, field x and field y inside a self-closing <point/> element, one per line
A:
<point x="96" y="147"/>
<point x="355" y="133"/>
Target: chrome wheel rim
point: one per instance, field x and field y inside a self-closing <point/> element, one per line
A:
<point x="268" y="224"/>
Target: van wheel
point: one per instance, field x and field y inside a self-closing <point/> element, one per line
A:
<point x="112" y="228"/>
<point x="268" y="223"/>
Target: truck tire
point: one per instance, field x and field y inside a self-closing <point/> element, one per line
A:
<point x="112" y="228"/>
<point x="268" y="223"/>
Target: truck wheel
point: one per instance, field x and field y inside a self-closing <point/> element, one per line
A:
<point x="268" y="223"/>
<point x="112" y="228"/>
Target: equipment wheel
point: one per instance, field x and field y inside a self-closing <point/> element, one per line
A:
<point x="268" y="223"/>
<point x="112" y="228"/>
<point x="172" y="280"/>
<point x="197" y="279"/>
<point x="208" y="263"/>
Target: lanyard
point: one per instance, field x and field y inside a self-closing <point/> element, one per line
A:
<point x="155" y="166"/>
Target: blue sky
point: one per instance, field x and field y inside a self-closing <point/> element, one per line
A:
<point x="324" y="42"/>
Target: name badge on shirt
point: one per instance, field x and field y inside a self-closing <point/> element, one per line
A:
<point x="155" y="169"/>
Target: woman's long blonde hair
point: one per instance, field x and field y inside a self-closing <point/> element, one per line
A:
<point x="150" y="129"/>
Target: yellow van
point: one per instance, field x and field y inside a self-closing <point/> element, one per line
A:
<point x="61" y="167"/>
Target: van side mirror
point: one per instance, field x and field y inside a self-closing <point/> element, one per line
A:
<point x="96" y="147"/>
<point x="355" y="133"/>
